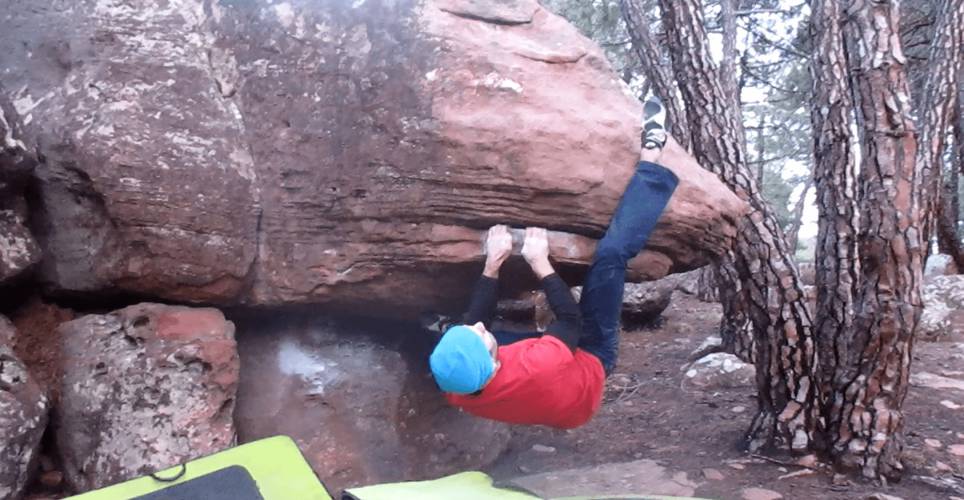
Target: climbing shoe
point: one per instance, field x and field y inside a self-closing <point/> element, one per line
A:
<point x="654" y="124"/>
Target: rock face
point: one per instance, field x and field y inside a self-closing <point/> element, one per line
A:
<point x="347" y="153"/>
<point x="943" y="307"/>
<point x="23" y="418"/>
<point x="18" y="248"/>
<point x="367" y="410"/>
<point x="145" y="387"/>
<point x="718" y="371"/>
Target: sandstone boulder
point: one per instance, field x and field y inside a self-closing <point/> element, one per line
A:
<point x="19" y="250"/>
<point x="943" y="313"/>
<point x="23" y="418"/>
<point x="718" y="371"/>
<point x="144" y="388"/>
<point x="346" y="153"/>
<point x="362" y="408"/>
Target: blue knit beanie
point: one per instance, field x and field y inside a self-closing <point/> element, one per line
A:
<point x="460" y="362"/>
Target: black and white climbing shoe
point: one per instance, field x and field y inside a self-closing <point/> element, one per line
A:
<point x="654" y="124"/>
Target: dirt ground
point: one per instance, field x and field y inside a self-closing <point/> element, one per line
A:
<point x="648" y="416"/>
<point x="691" y="431"/>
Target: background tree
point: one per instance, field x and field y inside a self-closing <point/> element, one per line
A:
<point x="887" y="303"/>
<point x="655" y="64"/>
<point x="760" y="267"/>
<point x="939" y="108"/>
<point x="837" y="267"/>
<point x="949" y="214"/>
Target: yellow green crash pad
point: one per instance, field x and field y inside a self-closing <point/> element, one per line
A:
<point x="271" y="468"/>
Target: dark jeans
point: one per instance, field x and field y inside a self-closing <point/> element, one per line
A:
<point x="643" y="201"/>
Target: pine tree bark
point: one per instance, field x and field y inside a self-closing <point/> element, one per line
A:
<point x="706" y="289"/>
<point x="760" y="268"/>
<point x="888" y="302"/>
<point x="650" y="58"/>
<point x="728" y="64"/>
<point x="948" y="236"/>
<point x="793" y="232"/>
<point x="939" y="107"/>
<point x="836" y="263"/>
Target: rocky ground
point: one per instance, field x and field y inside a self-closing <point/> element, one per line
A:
<point x="685" y="441"/>
<point x="656" y="434"/>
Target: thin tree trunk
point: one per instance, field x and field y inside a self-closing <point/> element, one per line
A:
<point x="649" y="54"/>
<point x="760" y="267"/>
<point x="760" y="150"/>
<point x="728" y="63"/>
<point x="793" y="232"/>
<point x="948" y="236"/>
<point x="836" y="262"/>
<point x="939" y="107"/>
<point x="888" y="302"/>
<point x="736" y="329"/>
<point x="706" y="288"/>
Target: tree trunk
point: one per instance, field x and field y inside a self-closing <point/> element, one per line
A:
<point x="650" y="58"/>
<point x="736" y="329"/>
<point x="706" y="288"/>
<point x="761" y="150"/>
<point x="939" y="106"/>
<point x="728" y="63"/>
<point x="948" y="236"/>
<point x="760" y="267"/>
<point x="793" y="232"/>
<point x="888" y="302"/>
<point x="836" y="263"/>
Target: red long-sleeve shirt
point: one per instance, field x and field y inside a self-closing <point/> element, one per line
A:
<point x="541" y="381"/>
<point x="545" y="380"/>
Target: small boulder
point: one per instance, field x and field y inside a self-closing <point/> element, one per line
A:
<point x="940" y="265"/>
<point x="358" y="399"/>
<point x="713" y="474"/>
<point x="943" y="298"/>
<point x="760" y="494"/>
<point x="718" y="371"/>
<point x="144" y="388"/>
<point x="642" y="302"/>
<point x="23" y="417"/>
<point x="19" y="250"/>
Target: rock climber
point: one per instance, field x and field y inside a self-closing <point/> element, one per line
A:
<point x="555" y="378"/>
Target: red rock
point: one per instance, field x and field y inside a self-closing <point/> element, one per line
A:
<point x="144" y="388"/>
<point x="328" y="152"/>
<point x="361" y="407"/>
<point x="23" y="417"/>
